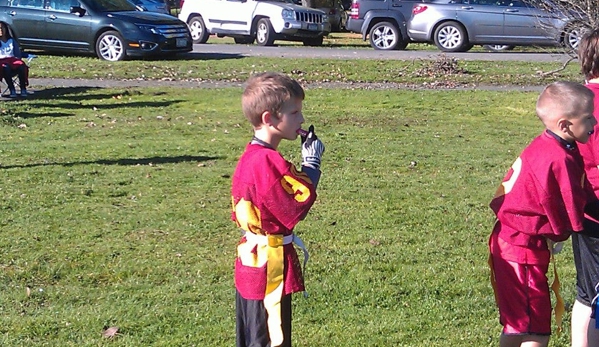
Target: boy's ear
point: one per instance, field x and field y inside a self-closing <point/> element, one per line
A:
<point x="266" y="118"/>
<point x="563" y="125"/>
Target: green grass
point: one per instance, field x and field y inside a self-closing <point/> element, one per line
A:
<point x="238" y="69"/>
<point x="116" y="212"/>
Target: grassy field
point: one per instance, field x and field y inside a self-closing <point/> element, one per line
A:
<point x="115" y="212"/>
<point x="444" y="71"/>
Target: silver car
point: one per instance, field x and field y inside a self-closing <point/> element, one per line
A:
<point x="457" y="26"/>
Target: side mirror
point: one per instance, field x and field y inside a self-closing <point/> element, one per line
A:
<point x="80" y="11"/>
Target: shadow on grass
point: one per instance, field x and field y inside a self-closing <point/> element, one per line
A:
<point x="70" y="98"/>
<point x="124" y="161"/>
<point x="100" y="107"/>
<point x="64" y="92"/>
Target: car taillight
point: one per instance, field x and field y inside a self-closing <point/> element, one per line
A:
<point x="181" y="3"/>
<point x="419" y="9"/>
<point x="332" y="11"/>
<point x="355" y="10"/>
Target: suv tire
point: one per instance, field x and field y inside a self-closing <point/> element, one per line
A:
<point x="110" y="46"/>
<point x="452" y="37"/>
<point x="198" y="30"/>
<point x="386" y="36"/>
<point x="265" y="35"/>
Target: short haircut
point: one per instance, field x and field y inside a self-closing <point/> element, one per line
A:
<point x="268" y="91"/>
<point x="588" y="54"/>
<point x="563" y="99"/>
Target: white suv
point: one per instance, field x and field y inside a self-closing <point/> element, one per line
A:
<point x="249" y="20"/>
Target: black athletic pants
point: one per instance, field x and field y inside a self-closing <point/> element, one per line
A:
<point x="252" y="330"/>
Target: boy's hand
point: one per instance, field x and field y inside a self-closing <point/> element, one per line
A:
<point x="312" y="149"/>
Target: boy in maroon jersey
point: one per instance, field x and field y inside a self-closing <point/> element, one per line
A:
<point x="270" y="196"/>
<point x="585" y="244"/>
<point x="541" y="200"/>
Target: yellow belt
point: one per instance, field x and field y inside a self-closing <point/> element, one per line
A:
<point x="274" y="277"/>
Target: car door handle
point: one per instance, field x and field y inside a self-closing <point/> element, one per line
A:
<point x="12" y="13"/>
<point x="467" y="7"/>
<point x="52" y="17"/>
<point x="396" y="5"/>
<point x="511" y="10"/>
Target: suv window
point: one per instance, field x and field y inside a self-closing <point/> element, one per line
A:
<point x="39" y="4"/>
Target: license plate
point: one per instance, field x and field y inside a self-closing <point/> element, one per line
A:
<point x="313" y="27"/>
<point x="181" y="42"/>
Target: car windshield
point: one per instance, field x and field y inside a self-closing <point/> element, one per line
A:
<point x="110" y="5"/>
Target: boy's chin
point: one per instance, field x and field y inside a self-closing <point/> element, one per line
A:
<point x="584" y="139"/>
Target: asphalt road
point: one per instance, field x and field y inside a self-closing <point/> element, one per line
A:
<point x="215" y="51"/>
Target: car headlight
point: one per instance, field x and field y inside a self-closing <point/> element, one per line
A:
<point x="325" y="18"/>
<point x="149" y="28"/>
<point x="288" y="14"/>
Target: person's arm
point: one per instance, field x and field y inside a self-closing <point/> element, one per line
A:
<point x="16" y="50"/>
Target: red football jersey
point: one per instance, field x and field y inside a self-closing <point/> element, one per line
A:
<point x="590" y="150"/>
<point x="269" y="198"/>
<point x="542" y="197"/>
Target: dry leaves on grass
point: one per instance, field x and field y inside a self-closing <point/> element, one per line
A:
<point x="110" y="332"/>
<point x="440" y="67"/>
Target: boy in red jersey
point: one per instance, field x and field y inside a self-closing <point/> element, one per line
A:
<point x="541" y="200"/>
<point x="270" y="196"/>
<point x="585" y="244"/>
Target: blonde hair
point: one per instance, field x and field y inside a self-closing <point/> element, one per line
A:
<point x="268" y="91"/>
<point x="563" y="99"/>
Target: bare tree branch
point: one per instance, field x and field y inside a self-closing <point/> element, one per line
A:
<point x="564" y="65"/>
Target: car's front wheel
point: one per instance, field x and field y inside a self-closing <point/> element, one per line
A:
<point x="198" y="30"/>
<point x="265" y="35"/>
<point x="452" y="37"/>
<point x="110" y="46"/>
<point x="573" y="34"/>
<point x="386" y="36"/>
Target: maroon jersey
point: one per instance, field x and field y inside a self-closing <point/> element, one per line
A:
<point x="542" y="197"/>
<point x="590" y="150"/>
<point x="269" y="198"/>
